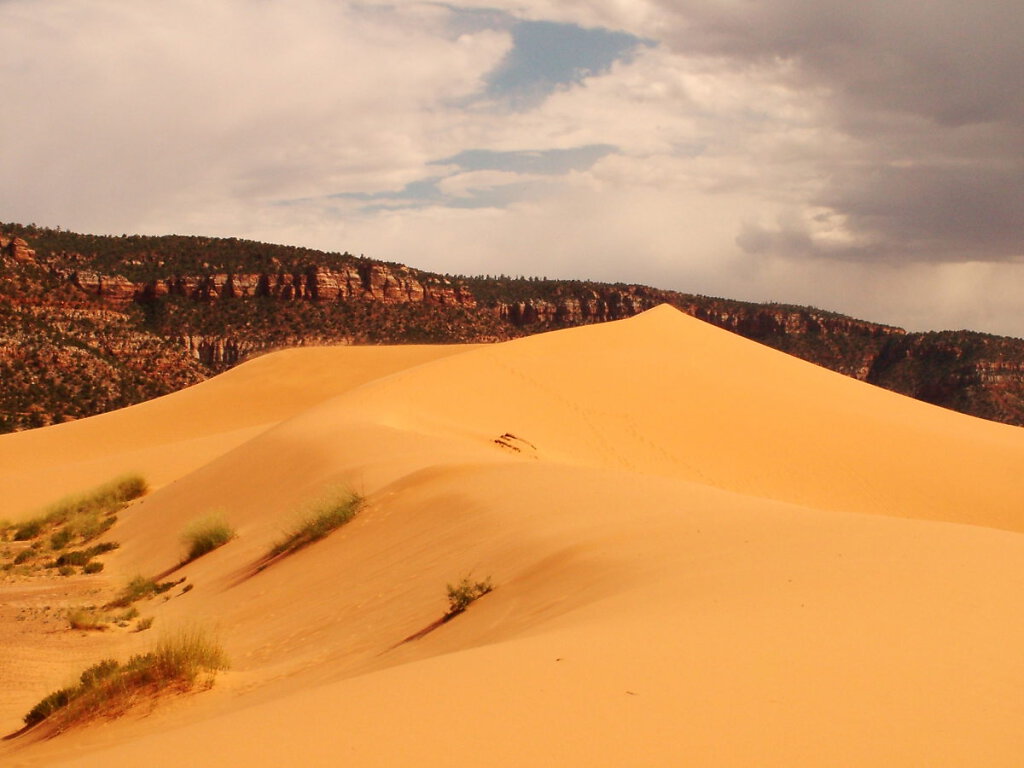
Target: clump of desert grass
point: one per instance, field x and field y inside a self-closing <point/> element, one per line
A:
<point x="141" y="588"/>
<point x="85" y="515"/>
<point x="90" y="617"/>
<point x="87" y="618"/>
<point x="109" y="687"/>
<point x="460" y="595"/>
<point x="75" y="520"/>
<point x="464" y="592"/>
<point x="205" y="535"/>
<point x="321" y="519"/>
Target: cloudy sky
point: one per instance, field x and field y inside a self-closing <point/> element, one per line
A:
<point x="865" y="156"/>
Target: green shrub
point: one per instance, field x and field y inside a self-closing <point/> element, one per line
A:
<point x="60" y="539"/>
<point x="139" y="588"/>
<point x="98" y="672"/>
<point x="92" y="567"/>
<point x="205" y="535"/>
<point x="52" y="703"/>
<point x="127" y="615"/>
<point x="98" y="549"/>
<point x="24" y="556"/>
<point x="187" y="653"/>
<point x="322" y="518"/>
<point x="88" y="526"/>
<point x="143" y="624"/>
<point x="465" y="592"/>
<point x="66" y="570"/>
<point x="75" y="557"/>
<point x="28" y="530"/>
<point x="136" y="589"/>
<point x="111" y="687"/>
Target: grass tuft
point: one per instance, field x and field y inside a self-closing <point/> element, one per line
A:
<point x="87" y="618"/>
<point x="463" y="593"/>
<point x="322" y="518"/>
<point x="24" y="556"/>
<point x="61" y="538"/>
<point x="205" y="535"/>
<point x="139" y="588"/>
<point x="83" y="516"/>
<point x="127" y="615"/>
<point x="110" y="686"/>
<point x="103" y="500"/>
<point x="28" y="530"/>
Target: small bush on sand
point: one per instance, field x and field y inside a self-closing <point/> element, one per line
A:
<point x="28" y="530"/>
<point x="139" y="588"/>
<point x="109" y="687"/>
<point x="60" y="539"/>
<point x="24" y="556"/>
<point x="465" y="592"/>
<point x="84" y="557"/>
<point x="75" y="557"/>
<point x="98" y="549"/>
<point x="322" y="518"/>
<point x="205" y="535"/>
<point x="88" y="618"/>
<point x="143" y="624"/>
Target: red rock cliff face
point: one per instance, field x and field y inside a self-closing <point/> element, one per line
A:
<point x="594" y="307"/>
<point x="368" y="282"/>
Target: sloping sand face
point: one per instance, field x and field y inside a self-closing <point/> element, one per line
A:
<point x="171" y="436"/>
<point x="704" y="552"/>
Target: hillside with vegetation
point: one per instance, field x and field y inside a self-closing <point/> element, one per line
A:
<point x="91" y="323"/>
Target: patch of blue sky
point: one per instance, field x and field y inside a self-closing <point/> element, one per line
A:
<point x="547" y="55"/>
<point x="543" y="161"/>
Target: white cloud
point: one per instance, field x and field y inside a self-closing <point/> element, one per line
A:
<point x="136" y="112"/>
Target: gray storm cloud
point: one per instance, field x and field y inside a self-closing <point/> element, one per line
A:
<point x="931" y="92"/>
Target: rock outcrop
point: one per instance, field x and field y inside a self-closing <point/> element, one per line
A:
<point x="14" y="250"/>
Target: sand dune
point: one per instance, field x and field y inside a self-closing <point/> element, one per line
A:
<point x="705" y="552"/>
<point x="169" y="437"/>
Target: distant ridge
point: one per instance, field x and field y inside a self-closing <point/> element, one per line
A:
<point x="92" y="323"/>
